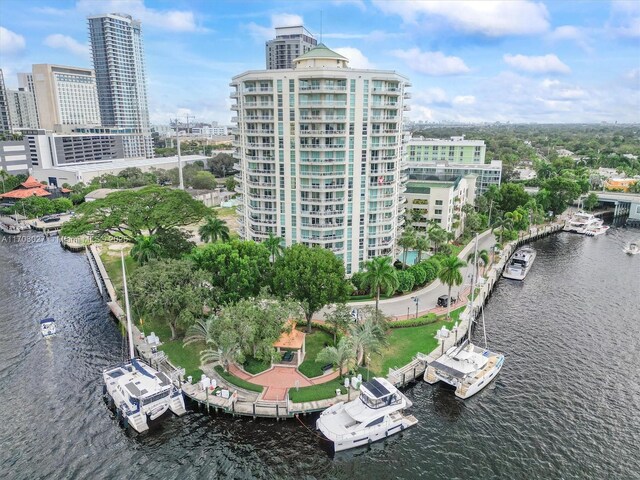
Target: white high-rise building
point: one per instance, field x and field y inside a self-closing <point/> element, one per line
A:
<point x="319" y="148"/>
<point x="290" y="43"/>
<point x="118" y="61"/>
<point x="22" y="109"/>
<point x="65" y="96"/>
<point x="5" y="122"/>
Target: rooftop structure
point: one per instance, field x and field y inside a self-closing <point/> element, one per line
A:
<point x="290" y="42"/>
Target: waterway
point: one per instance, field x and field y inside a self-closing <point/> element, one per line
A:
<point x="566" y="404"/>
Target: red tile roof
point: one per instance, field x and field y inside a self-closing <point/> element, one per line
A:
<point x="25" y="193"/>
<point x="31" y="183"/>
<point x="65" y="190"/>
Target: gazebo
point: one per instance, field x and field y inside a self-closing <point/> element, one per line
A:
<point x="292" y="341"/>
<point x="29" y="188"/>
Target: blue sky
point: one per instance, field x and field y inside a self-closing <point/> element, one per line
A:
<point x="509" y="61"/>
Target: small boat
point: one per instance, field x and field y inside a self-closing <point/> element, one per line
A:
<point x="595" y="230"/>
<point x="631" y="249"/>
<point x="583" y="223"/>
<point x="9" y="229"/>
<point x="375" y="415"/>
<point x="48" y="327"/>
<point x="138" y="392"/>
<point x="520" y="264"/>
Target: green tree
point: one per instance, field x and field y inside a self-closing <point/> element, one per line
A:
<point x="314" y="277"/>
<point x="170" y="291"/>
<point x="35" y="206"/>
<point x="61" y="205"/>
<point x="274" y="245"/>
<point x="513" y="196"/>
<point x="230" y="184"/>
<point x="367" y="337"/>
<point x="591" y="201"/>
<point x="131" y="213"/>
<point x="406" y="241"/>
<point x="406" y="280"/>
<point x="422" y="245"/>
<point x="340" y="355"/>
<point x="174" y="243"/>
<point x="450" y="275"/>
<point x="203" y="180"/>
<point x="437" y="236"/>
<point x="419" y="274"/>
<point x="379" y="276"/>
<point x="145" y="248"/>
<point x="235" y="270"/>
<point x="221" y="341"/>
<point x="213" y="229"/>
<point x="339" y="318"/>
<point x="482" y="258"/>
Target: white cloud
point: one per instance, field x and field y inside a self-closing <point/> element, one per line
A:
<point x="633" y="75"/>
<point x="464" y="100"/>
<point x="356" y="58"/>
<point x="571" y="33"/>
<point x="173" y="20"/>
<point x="10" y="42"/>
<point x="549" y="63"/>
<point x="67" y="43"/>
<point x="624" y="20"/>
<point x="356" y="3"/>
<point x="432" y="63"/>
<point x="490" y="18"/>
<point x="262" y="33"/>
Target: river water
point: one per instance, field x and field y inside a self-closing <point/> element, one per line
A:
<point x="566" y="404"/>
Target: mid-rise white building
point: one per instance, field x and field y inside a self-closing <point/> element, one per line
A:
<point x="319" y="151"/>
<point x="118" y="61"/>
<point x="5" y="122"/>
<point x="22" y="109"/>
<point x="65" y="96"/>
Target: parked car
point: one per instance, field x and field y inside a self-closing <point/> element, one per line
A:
<point x="50" y="218"/>
<point x="443" y="300"/>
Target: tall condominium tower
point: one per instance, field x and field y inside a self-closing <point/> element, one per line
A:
<point x="118" y="61"/>
<point x="319" y="150"/>
<point x="290" y="43"/>
<point x="5" y="122"/>
<point x="65" y="96"/>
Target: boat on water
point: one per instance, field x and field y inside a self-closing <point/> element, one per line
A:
<point x="9" y="228"/>
<point x="520" y="264"/>
<point x="138" y="392"/>
<point x="632" y="248"/>
<point x="467" y="367"/>
<point x="585" y="224"/>
<point x="375" y="415"/>
<point x="48" y="327"/>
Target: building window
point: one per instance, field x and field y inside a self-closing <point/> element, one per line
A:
<point x="438" y="202"/>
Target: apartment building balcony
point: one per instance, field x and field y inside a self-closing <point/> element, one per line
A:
<point x="324" y="213"/>
<point x="310" y="146"/>
<point x="404" y="178"/>
<point x="322" y="88"/>
<point x="257" y="90"/>
<point x="235" y="106"/>
<point x="239" y="188"/>
<point x="236" y="166"/>
<point x="401" y="210"/>
<point x="385" y="158"/>
<point x="323" y="238"/>
<point x="258" y="234"/>
<point x="385" y="90"/>
<point x="258" y="158"/>
<point x="262" y="221"/>
<point x="260" y="209"/>
<point x="322" y="104"/>
<point x="384" y="105"/>
<point x="323" y="226"/>
<point x="258" y="196"/>
<point x="234" y="94"/>
<point x="260" y="184"/>
<point x="259" y="171"/>
<point x="322" y="174"/>
<point x="262" y="118"/>
<point x="378" y="146"/>
<point x="383" y="118"/>
<point x="407" y="95"/>
<point x="406" y="108"/>
<point x="260" y="131"/>
<point x="315" y="161"/>
<point x="322" y="132"/>
<point x="381" y="195"/>
<point x="260" y="145"/>
<point x="382" y="208"/>
<point x="234" y="119"/>
<point x="384" y="184"/>
<point x="238" y="177"/>
<point x="322" y="186"/>
<point x="402" y="199"/>
<point x="327" y="201"/>
<point x="258" y="104"/>
<point x="323" y="118"/>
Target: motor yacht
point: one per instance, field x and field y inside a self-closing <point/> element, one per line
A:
<point x="138" y="392"/>
<point x="582" y="222"/>
<point x="9" y="229"/>
<point x="520" y="264"/>
<point x="375" y="415"/>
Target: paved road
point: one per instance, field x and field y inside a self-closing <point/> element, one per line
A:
<point x="428" y="296"/>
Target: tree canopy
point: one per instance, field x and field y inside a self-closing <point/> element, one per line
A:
<point x="128" y="214"/>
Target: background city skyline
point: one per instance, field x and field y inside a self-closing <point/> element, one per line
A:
<point x="517" y="61"/>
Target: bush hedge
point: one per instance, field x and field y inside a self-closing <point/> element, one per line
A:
<point x="405" y="281"/>
<point x="415" y="322"/>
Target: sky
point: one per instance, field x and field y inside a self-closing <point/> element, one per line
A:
<point x="516" y="61"/>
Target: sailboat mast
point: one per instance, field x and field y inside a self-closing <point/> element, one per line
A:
<point x="473" y="287"/>
<point x="132" y="353"/>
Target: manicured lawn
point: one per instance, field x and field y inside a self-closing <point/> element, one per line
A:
<point x="404" y="343"/>
<point x="322" y="391"/>
<point x="315" y="342"/>
<point x="187" y="357"/>
<point x="238" y="382"/>
<point x="254" y="366"/>
<point x="113" y="265"/>
<point x="225" y="211"/>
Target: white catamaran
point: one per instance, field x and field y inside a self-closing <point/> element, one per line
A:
<point x="467" y="367"/>
<point x="375" y="415"/>
<point x="138" y="392"/>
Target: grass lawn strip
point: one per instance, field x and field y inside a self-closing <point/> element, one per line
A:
<point x="323" y="390"/>
<point x="314" y="342"/>
<point x="238" y="382"/>
<point x="254" y="366"/>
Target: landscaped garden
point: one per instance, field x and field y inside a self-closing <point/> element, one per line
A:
<point x="315" y="342"/>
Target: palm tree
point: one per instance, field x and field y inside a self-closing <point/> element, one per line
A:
<point x="407" y="240"/>
<point x="366" y="338"/>
<point x="339" y="355"/>
<point x="438" y="236"/>
<point x="504" y="223"/>
<point x="380" y="275"/>
<point x="450" y="275"/>
<point x="203" y="332"/>
<point x="481" y="258"/>
<point x="422" y="245"/>
<point x="145" y="249"/>
<point x="3" y="176"/>
<point x="274" y="246"/>
<point x="214" y="229"/>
